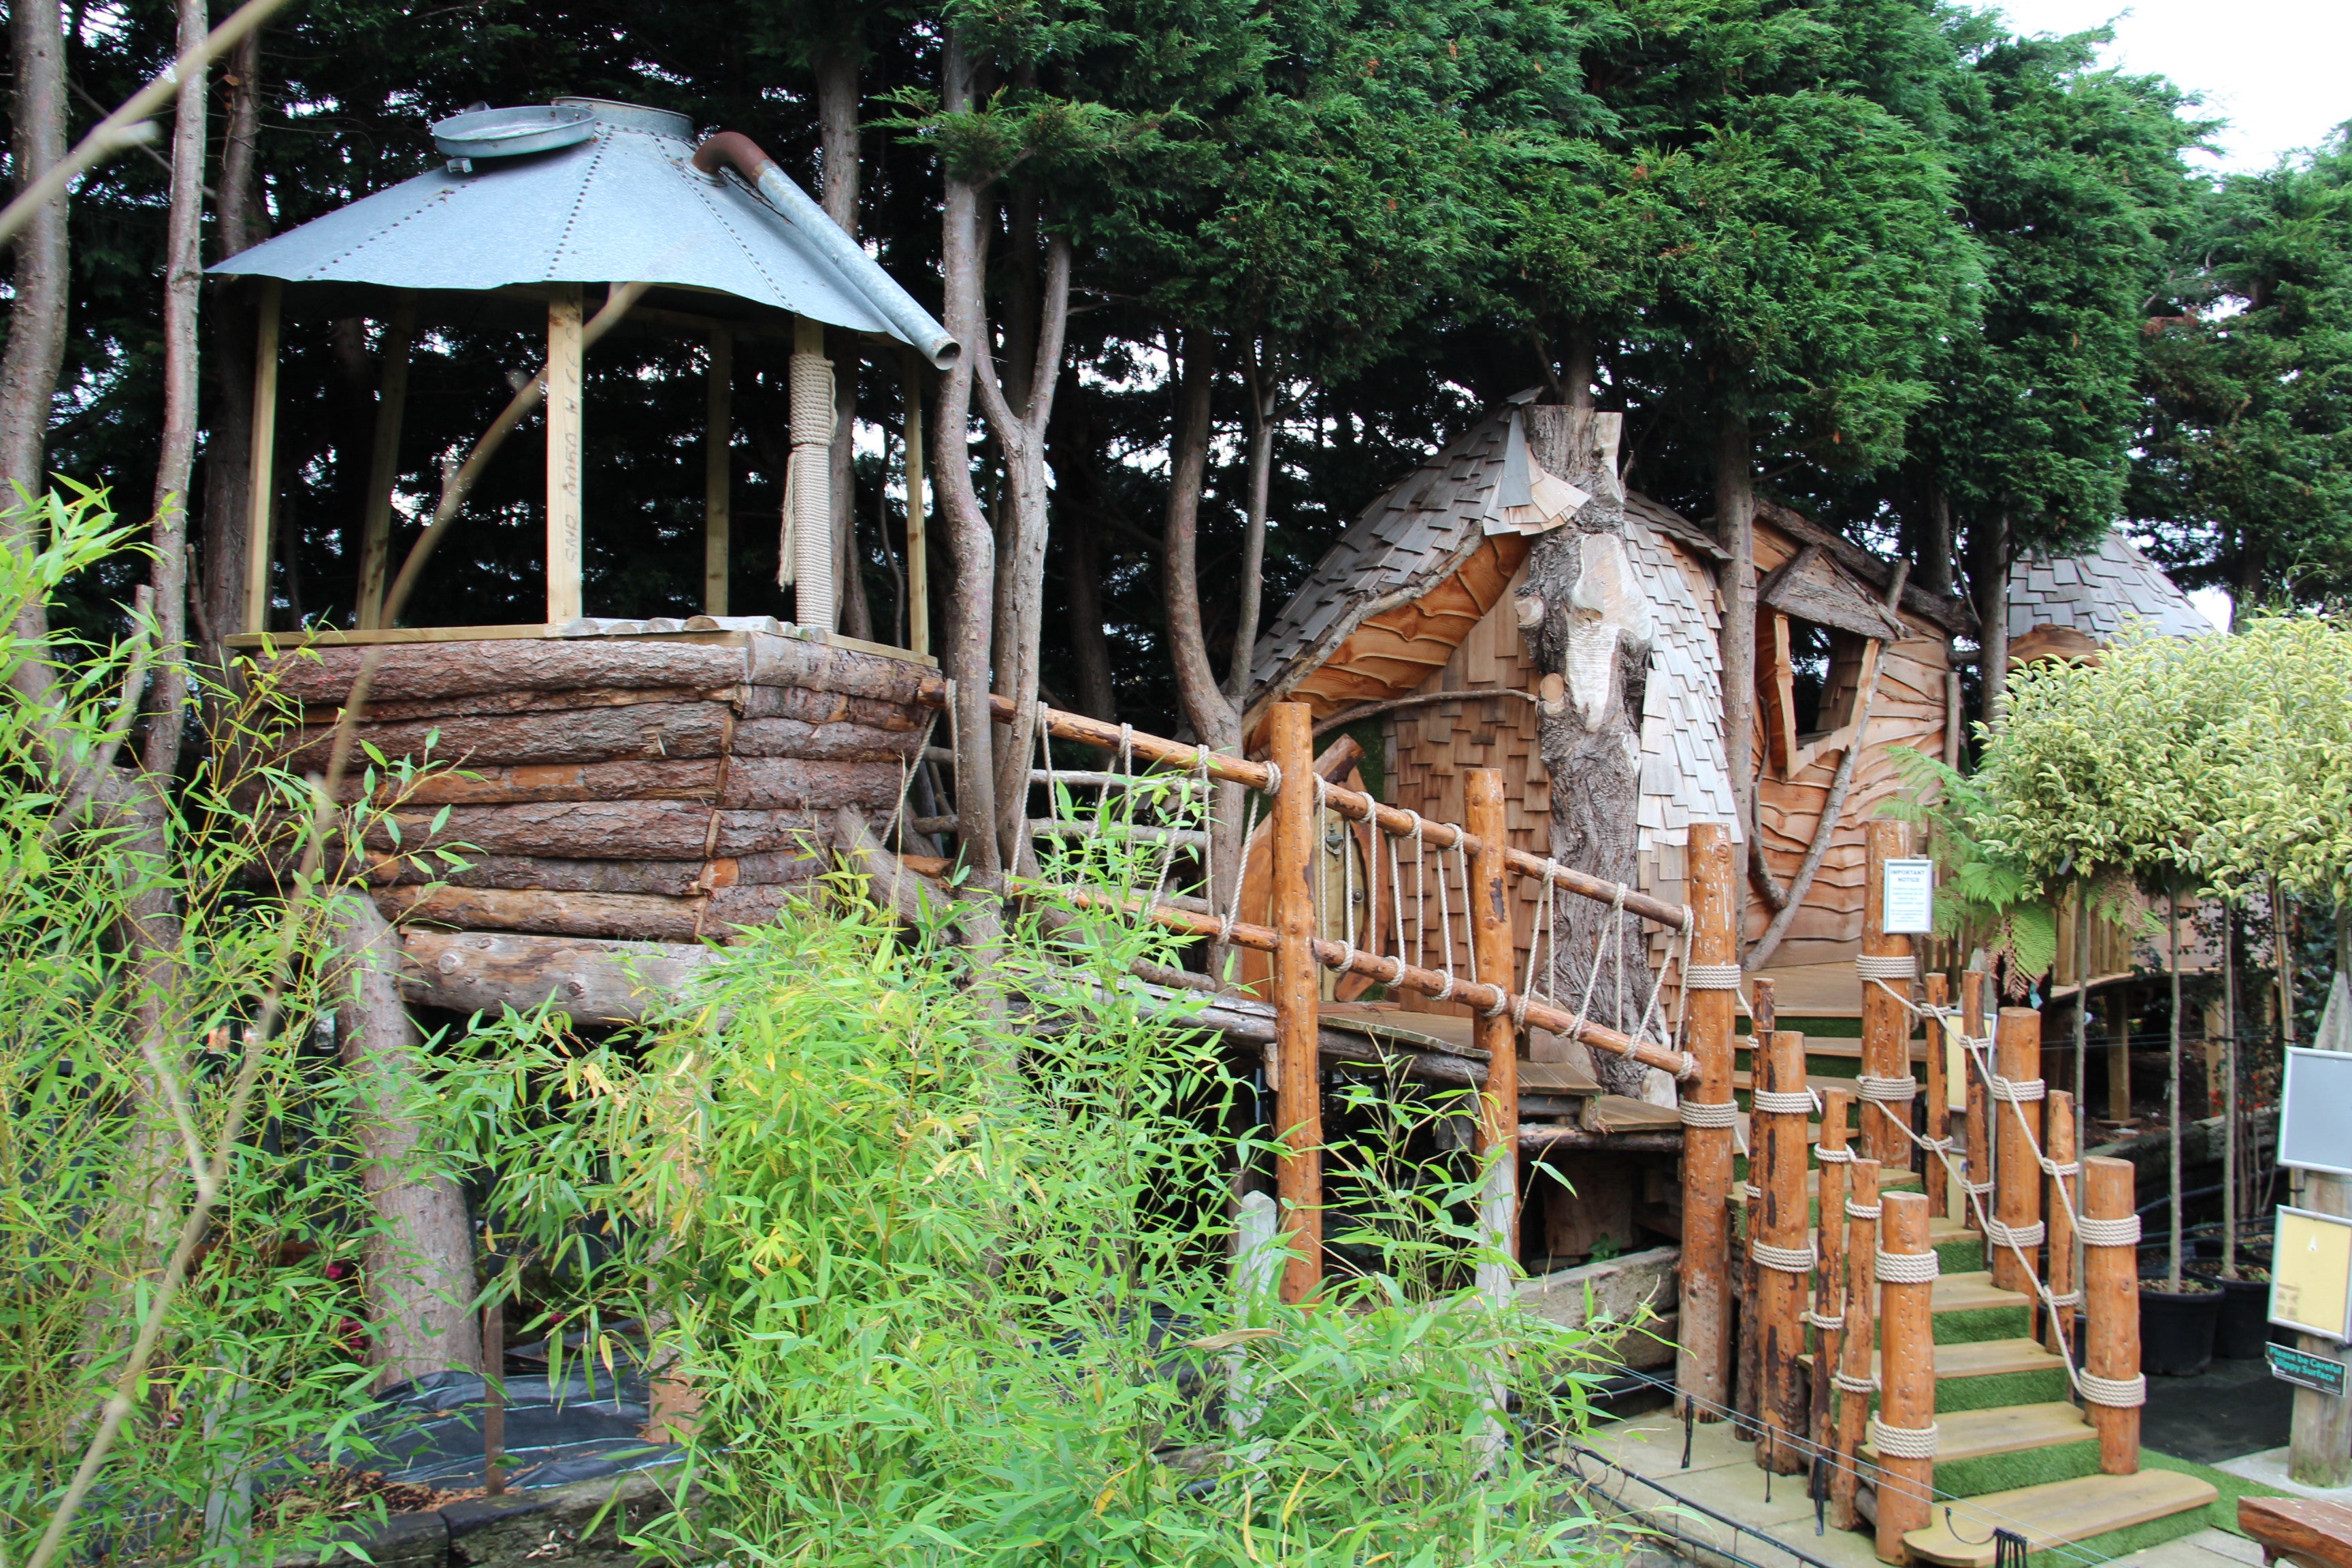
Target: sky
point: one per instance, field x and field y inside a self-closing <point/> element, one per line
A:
<point x="2274" y="68"/>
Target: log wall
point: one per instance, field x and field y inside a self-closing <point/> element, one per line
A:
<point x="663" y="787"/>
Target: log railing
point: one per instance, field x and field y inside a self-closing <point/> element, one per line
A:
<point x="1698" y="1055"/>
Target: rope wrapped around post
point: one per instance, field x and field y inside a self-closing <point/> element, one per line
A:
<point x="1904" y="1433"/>
<point x="2112" y="1384"/>
<point x="1856" y="1380"/>
<point x="1777" y="1220"/>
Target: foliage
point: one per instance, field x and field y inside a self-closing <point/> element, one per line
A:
<point x="2284" y="790"/>
<point x="260" y="1361"/>
<point x="952" y="1285"/>
<point x="1979" y="895"/>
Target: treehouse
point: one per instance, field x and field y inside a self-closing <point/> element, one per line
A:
<point x="1408" y="621"/>
<point x="629" y="787"/>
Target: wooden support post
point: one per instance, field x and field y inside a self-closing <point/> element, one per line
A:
<point x="565" y="353"/>
<point x="919" y="556"/>
<point x="1885" y="1022"/>
<point x="1932" y="1172"/>
<point x="262" y="481"/>
<point x="1703" y="1362"/>
<point x="718" y="471"/>
<point x="383" y="460"/>
<point x="1976" y="1024"/>
<point x="494" y="1397"/>
<point x="1907" y="1401"/>
<point x="1748" y="1380"/>
<point x="2119" y="1054"/>
<point x="2017" y="1169"/>
<point x="1829" y="1279"/>
<point x="1297" y="982"/>
<point x="1784" y="1266"/>
<point x="2066" y="1188"/>
<point x="1858" y="1338"/>
<point x="2111" y="1297"/>
<point x="1489" y="898"/>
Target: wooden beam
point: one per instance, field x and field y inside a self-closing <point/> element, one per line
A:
<point x="1906" y="1401"/>
<point x="1777" y="1222"/>
<point x="1489" y="898"/>
<point x="564" y="434"/>
<point x="1885" y="1022"/>
<point x="2017" y="1170"/>
<point x="1703" y="1364"/>
<point x="919" y="554"/>
<point x="718" y="469"/>
<point x="2111" y="1297"/>
<point x="1859" y="1337"/>
<point x="1975" y="1022"/>
<point x="2058" y="1142"/>
<point x="1829" y="1279"/>
<point x="383" y="460"/>
<point x="1939" y="1099"/>
<point x="1298" y="982"/>
<point x="262" y="482"/>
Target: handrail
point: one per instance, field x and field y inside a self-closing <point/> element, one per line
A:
<point x="1394" y="821"/>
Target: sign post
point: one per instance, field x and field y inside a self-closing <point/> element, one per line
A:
<point x="2311" y="1263"/>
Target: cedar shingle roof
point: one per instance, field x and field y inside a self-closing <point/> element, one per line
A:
<point x="2097" y="592"/>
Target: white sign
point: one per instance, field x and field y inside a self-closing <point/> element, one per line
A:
<point x="2316" y="1111"/>
<point x="1908" y="906"/>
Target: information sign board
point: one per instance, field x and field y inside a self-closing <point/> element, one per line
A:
<point x="2305" y="1370"/>
<point x="1907" y="906"/>
<point x="2311" y="1273"/>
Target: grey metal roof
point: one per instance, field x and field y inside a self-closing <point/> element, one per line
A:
<point x="2098" y="593"/>
<point x="625" y="205"/>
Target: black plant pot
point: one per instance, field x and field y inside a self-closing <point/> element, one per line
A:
<point x="2175" y="1331"/>
<point x="2245" y="1327"/>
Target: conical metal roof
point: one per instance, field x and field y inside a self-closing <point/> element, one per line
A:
<point x="624" y="205"/>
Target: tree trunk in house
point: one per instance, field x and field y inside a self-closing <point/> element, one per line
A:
<point x="971" y="547"/>
<point x="36" y="318"/>
<point x="1593" y="629"/>
<point x="419" y="1261"/>
<point x="239" y="224"/>
<point x="1082" y="588"/>
<point x="182" y="286"/>
<point x="1216" y="718"/>
<point x="1989" y="577"/>
<point x="1935" y="567"/>
<point x="837" y="119"/>
<point x="1735" y="523"/>
<point x="1263" y="397"/>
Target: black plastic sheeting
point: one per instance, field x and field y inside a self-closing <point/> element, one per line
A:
<point x="557" y="1431"/>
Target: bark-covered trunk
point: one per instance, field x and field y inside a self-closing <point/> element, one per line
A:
<point x="1263" y="395"/>
<point x="1989" y="577"/>
<point x="419" y="1259"/>
<point x="183" y="274"/>
<point x="1734" y="524"/>
<point x="240" y="223"/>
<point x="971" y="547"/>
<point x="1082" y="588"/>
<point x="837" y="119"/>
<point x="1590" y="626"/>
<point x="1216" y="718"/>
<point x="37" y="316"/>
<point x="1934" y="569"/>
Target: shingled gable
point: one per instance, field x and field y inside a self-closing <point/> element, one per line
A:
<point x="2070" y="605"/>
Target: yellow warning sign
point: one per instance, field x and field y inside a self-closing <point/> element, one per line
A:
<point x="2311" y="1273"/>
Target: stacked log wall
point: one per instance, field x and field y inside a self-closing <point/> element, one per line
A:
<point x="663" y="788"/>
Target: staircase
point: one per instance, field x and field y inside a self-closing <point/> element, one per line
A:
<point x="2014" y="1451"/>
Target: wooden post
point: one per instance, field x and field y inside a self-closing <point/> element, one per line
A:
<point x="262" y="492"/>
<point x="1885" y="1022"/>
<point x="2111" y="1295"/>
<point x="1703" y="1362"/>
<point x="494" y="1397"/>
<point x="1748" y="1379"/>
<point x="1932" y="1171"/>
<point x="2058" y="1143"/>
<point x="718" y="471"/>
<point x="1489" y="896"/>
<point x="1829" y="1281"/>
<point x="1906" y="1401"/>
<point x="2017" y="1170"/>
<point x="1859" y="1337"/>
<point x="1298" y="1110"/>
<point x="918" y="557"/>
<point x="383" y="460"/>
<point x="565" y="371"/>
<point x="1976" y="1025"/>
<point x="2119" y="1053"/>
<point x="1783" y="1265"/>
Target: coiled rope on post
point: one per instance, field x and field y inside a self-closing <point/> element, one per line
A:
<point x="1908" y="1268"/>
<point x="1903" y="1442"/>
<point x="1784" y="1259"/>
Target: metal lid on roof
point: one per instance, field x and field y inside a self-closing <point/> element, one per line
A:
<point x="622" y="203"/>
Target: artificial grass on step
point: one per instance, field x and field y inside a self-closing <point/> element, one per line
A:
<point x="2001" y="1388"/>
<point x="2224" y="1509"/>
<point x="2024" y="1467"/>
<point x="1985" y="1324"/>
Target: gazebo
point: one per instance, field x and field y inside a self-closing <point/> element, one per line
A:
<point x="630" y="789"/>
<point x="534" y="210"/>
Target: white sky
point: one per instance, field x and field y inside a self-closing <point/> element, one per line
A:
<point x="2274" y="68"/>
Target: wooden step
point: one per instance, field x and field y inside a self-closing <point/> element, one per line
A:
<point x="1983" y="1358"/>
<point x="1974" y="1291"/>
<point x="1941" y="1232"/>
<point x="2005" y="1429"/>
<point x="2054" y="1514"/>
